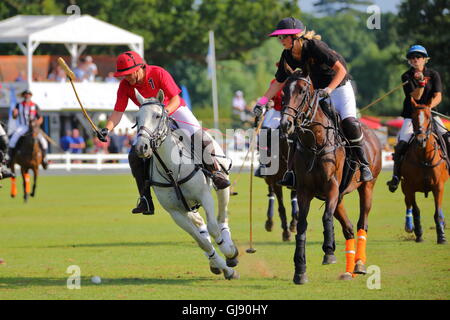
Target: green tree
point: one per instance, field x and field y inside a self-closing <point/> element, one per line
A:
<point x="427" y="22"/>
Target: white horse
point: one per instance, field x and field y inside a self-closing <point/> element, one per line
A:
<point x="168" y="153"/>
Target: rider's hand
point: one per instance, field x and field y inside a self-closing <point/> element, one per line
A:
<point x="102" y="134"/>
<point x="325" y="92"/>
<point x="259" y="108"/>
<point x="419" y="76"/>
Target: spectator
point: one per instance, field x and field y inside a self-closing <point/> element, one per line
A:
<point x="66" y="140"/>
<point x="20" y="77"/>
<point x="114" y="143"/>
<point x="110" y="78"/>
<point x="77" y="145"/>
<point x="81" y="73"/>
<point x="57" y="74"/>
<point x="91" y="69"/>
<point x="239" y="105"/>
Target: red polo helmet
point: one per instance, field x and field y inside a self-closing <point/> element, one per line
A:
<point x="127" y="63"/>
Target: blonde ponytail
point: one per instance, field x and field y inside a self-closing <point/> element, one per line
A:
<point x="298" y="44"/>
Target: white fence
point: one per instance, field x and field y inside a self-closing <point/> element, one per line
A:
<point x="99" y="161"/>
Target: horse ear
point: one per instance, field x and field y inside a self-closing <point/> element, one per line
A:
<point x="160" y="96"/>
<point x="140" y="98"/>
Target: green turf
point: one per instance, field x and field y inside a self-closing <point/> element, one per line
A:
<point x="86" y="221"/>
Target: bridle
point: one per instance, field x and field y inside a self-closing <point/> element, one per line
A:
<point x="157" y="136"/>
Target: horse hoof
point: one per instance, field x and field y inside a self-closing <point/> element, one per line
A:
<point x="442" y="241"/>
<point x="292" y="226"/>
<point x="346" y="276"/>
<point x="409" y="229"/>
<point x="301" y="278"/>
<point x="232" y="262"/>
<point x="215" y="270"/>
<point x="286" y="236"/>
<point x="233" y="275"/>
<point x="269" y="225"/>
<point x="419" y="239"/>
<point x="329" y="259"/>
<point x="360" y="268"/>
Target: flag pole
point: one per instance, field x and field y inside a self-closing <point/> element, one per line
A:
<point x="212" y="61"/>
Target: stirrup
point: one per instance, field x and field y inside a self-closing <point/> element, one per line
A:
<point x="144" y="206"/>
<point x="288" y="179"/>
<point x="365" y="173"/>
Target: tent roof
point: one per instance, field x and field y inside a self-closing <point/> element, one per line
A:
<point x="64" y="29"/>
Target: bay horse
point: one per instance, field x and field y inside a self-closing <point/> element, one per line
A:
<point x="28" y="156"/>
<point x="181" y="186"/>
<point x="320" y="165"/>
<point x="275" y="189"/>
<point x="423" y="169"/>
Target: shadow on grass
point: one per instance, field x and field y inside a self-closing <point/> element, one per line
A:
<point x="115" y="244"/>
<point x="23" y="282"/>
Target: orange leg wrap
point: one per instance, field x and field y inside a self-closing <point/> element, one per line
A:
<point x="361" y="246"/>
<point x="350" y="255"/>
<point x="13" y="187"/>
<point x="27" y="182"/>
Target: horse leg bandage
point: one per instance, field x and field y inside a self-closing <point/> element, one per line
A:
<point x="361" y="246"/>
<point x="26" y="176"/>
<point x="13" y="187"/>
<point x="350" y="255"/>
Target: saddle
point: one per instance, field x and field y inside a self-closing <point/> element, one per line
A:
<point x="351" y="163"/>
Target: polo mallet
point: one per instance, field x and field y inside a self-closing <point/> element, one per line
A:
<point x="383" y="96"/>
<point x="71" y="76"/>
<point x="252" y="149"/>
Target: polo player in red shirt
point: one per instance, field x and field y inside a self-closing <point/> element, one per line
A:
<point x="148" y="80"/>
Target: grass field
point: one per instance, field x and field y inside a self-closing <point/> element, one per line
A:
<point x="86" y="221"/>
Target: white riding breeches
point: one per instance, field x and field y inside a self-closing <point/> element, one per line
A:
<point x="2" y="131"/>
<point x="407" y="129"/>
<point x="186" y="120"/>
<point x="20" y="131"/>
<point x="272" y="119"/>
<point x="344" y="101"/>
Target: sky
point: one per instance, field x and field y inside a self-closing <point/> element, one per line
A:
<point x="385" y="5"/>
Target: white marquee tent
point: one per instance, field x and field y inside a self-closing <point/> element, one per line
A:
<point x="75" y="32"/>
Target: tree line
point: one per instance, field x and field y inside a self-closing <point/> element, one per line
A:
<point x="176" y="37"/>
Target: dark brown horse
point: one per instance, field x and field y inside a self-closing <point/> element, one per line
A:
<point x="319" y="164"/>
<point x="423" y="170"/>
<point x="28" y="156"/>
<point x="278" y="153"/>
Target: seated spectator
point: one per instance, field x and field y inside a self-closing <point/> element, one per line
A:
<point x="77" y="145"/>
<point x="57" y="74"/>
<point x="110" y="78"/>
<point x="91" y="69"/>
<point x="20" y="77"/>
<point x="81" y="73"/>
<point x="66" y="140"/>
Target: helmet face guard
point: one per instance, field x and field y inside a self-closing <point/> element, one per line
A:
<point x="127" y="63"/>
<point x="288" y="26"/>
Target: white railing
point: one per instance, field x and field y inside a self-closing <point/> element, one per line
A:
<point x="100" y="161"/>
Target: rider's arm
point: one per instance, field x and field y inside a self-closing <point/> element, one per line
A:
<point x="437" y="98"/>
<point x="113" y="120"/>
<point x="273" y="89"/>
<point x="339" y="76"/>
<point x="15" y="112"/>
<point x="173" y="104"/>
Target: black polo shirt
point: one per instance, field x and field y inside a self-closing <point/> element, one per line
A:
<point x="433" y="85"/>
<point x="317" y="60"/>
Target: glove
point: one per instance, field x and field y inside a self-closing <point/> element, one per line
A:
<point x="102" y="134"/>
<point x="258" y="110"/>
<point x="421" y="80"/>
<point x="324" y="93"/>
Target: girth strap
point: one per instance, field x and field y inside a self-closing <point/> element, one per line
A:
<point x="174" y="183"/>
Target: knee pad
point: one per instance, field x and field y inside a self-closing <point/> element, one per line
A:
<point x="352" y="130"/>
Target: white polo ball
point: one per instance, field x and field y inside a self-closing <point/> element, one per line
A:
<point x="96" y="280"/>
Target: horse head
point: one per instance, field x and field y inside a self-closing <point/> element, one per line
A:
<point x="153" y="124"/>
<point x="298" y="91"/>
<point x="33" y="128"/>
<point x="421" y="119"/>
